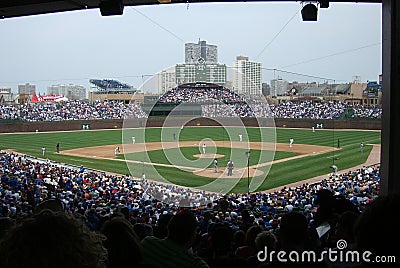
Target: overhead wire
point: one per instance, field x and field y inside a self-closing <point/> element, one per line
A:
<point x="331" y="55"/>
<point x="276" y="35"/>
<point x="158" y="24"/>
<point x="299" y="74"/>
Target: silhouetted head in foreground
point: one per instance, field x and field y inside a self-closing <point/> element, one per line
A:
<point x="182" y="228"/>
<point x="377" y="229"/>
<point x="52" y="239"/>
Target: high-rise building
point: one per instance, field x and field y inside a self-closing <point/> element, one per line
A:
<point x="278" y="87"/>
<point x="201" y="65"/>
<point x="266" y="89"/>
<point x="247" y="76"/>
<point x="166" y="80"/>
<point x="193" y="52"/>
<point x="72" y="92"/>
<point x="26" y="89"/>
<point x="5" y="89"/>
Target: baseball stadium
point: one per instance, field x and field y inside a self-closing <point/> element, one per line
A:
<point x="172" y="152"/>
<point x="216" y="169"/>
<point x="199" y="147"/>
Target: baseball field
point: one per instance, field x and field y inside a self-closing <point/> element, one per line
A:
<point x="262" y="160"/>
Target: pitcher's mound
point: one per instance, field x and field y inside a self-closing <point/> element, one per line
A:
<point x="208" y="155"/>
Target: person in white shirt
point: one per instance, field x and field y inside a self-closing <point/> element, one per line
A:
<point x="334" y="169"/>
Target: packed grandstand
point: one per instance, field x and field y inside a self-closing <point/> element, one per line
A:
<point x="84" y="110"/>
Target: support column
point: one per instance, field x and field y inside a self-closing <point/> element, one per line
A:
<point x="390" y="150"/>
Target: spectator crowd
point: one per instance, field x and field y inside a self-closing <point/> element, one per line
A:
<point x="121" y="219"/>
<point x="292" y="109"/>
<point x="72" y="110"/>
<point x="199" y="95"/>
<point x="214" y="103"/>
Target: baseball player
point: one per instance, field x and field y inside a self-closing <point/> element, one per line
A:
<point x="230" y="168"/>
<point x="215" y="165"/>
<point x="291" y="141"/>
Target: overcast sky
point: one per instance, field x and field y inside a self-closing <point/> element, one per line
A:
<point x="73" y="47"/>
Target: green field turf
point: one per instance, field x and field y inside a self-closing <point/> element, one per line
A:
<point x="171" y="156"/>
<point x="279" y="174"/>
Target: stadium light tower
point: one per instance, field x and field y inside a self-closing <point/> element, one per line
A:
<point x="248" y="171"/>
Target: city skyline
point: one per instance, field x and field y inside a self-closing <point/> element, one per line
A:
<point x="73" y="47"/>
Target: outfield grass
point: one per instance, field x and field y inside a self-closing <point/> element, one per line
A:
<point x="279" y="174"/>
<point x="312" y="166"/>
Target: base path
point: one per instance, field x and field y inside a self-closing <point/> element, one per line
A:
<point x="223" y="173"/>
<point x="212" y="156"/>
<point x="108" y="151"/>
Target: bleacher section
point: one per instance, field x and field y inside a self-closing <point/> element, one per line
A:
<point x="109" y="86"/>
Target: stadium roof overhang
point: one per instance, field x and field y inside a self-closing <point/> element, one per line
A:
<point x="18" y="8"/>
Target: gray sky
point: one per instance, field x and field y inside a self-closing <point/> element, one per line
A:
<point x="73" y="47"/>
